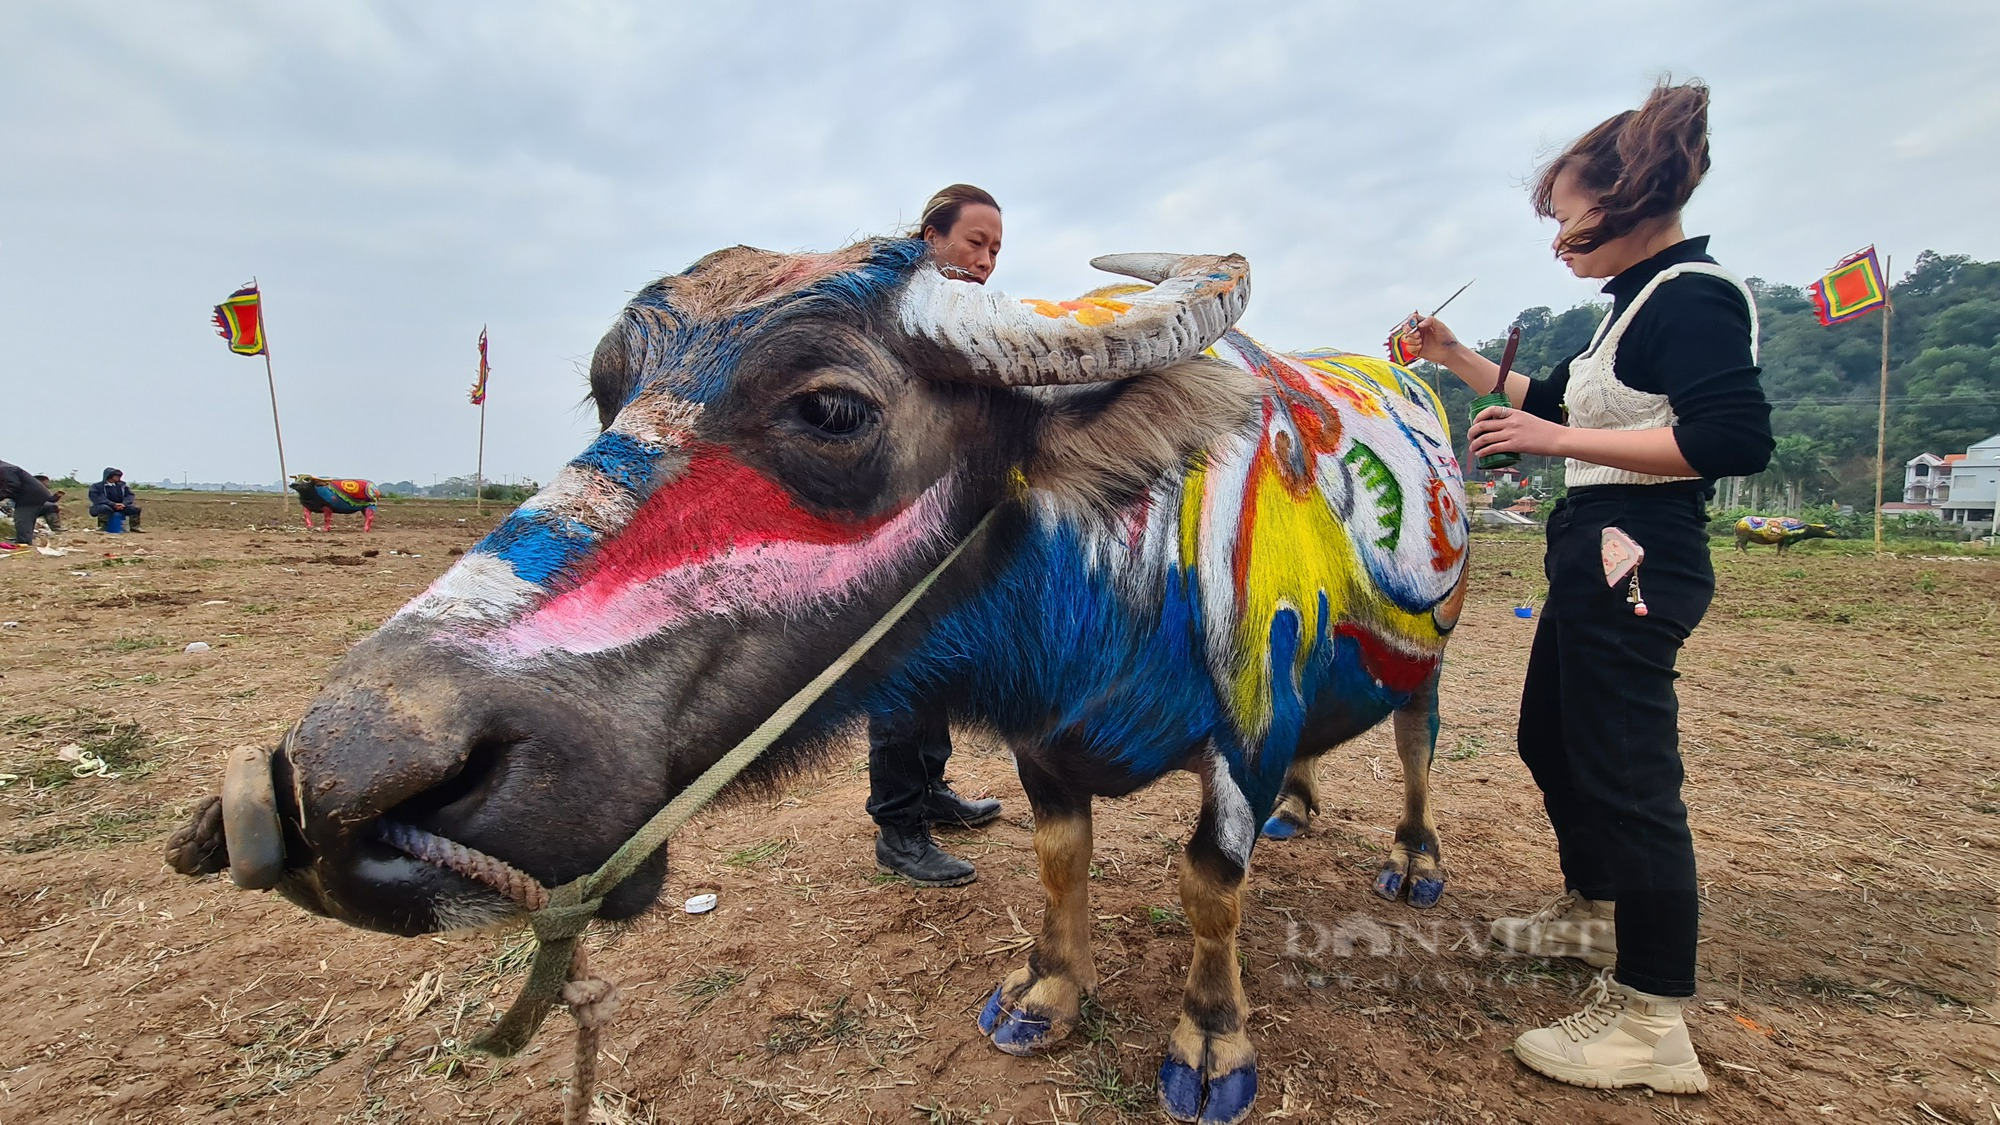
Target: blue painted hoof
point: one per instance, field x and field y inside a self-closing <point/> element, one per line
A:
<point x="1221" y="1101"/>
<point x="1229" y="1097"/>
<point x="1180" y="1090"/>
<point x="1021" y="1033"/>
<point x="1389" y="884"/>
<point x="1424" y="893"/>
<point x="989" y="1017"/>
<point x="1278" y="828"/>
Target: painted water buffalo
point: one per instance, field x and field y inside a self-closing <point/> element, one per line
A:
<point x="1224" y="563"/>
<point x="1780" y="530"/>
<point x="336" y="495"/>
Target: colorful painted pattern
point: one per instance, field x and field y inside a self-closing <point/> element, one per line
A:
<point x="342" y="496"/>
<point x="1295" y="584"/>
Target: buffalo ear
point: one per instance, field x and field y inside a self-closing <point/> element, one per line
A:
<point x="614" y="370"/>
<point x="1104" y="445"/>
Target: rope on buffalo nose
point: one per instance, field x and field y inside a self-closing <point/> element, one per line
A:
<point x="559" y="916"/>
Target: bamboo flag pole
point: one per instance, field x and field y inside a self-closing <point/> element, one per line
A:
<point x="479" y="474"/>
<point x="271" y="381"/>
<point x="1882" y="407"/>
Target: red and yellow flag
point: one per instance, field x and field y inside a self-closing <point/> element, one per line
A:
<point x="479" y="388"/>
<point x="240" y="320"/>
<point x="1854" y="288"/>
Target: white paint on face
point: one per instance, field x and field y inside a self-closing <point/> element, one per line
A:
<point x="481" y="588"/>
<point x="657" y="416"/>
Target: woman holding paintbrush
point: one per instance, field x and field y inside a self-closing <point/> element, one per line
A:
<point x="1663" y="401"/>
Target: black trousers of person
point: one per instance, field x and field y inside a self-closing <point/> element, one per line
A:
<point x="1599" y="720"/>
<point x="25" y="515"/>
<point x="907" y="751"/>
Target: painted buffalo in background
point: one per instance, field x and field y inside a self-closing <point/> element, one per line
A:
<point x="1780" y="530"/>
<point x="1223" y="563"/>
<point x="343" y="496"/>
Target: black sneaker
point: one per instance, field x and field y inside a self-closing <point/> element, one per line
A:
<point x="909" y="852"/>
<point x="947" y="809"/>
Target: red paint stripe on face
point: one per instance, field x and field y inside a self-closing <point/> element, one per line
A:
<point x="717" y="504"/>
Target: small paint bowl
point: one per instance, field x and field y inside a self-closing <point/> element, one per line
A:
<point x="1524" y="611"/>
<point x="701" y="903"/>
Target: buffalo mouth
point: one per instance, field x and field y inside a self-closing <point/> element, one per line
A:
<point x="416" y="867"/>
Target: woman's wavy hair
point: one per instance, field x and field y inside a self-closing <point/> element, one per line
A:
<point x="1642" y="164"/>
<point x="941" y="213"/>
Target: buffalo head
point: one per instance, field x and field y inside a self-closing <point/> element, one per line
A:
<point x="789" y="442"/>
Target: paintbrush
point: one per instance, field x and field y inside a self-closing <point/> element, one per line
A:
<point x="1396" y="349"/>
<point x="1507" y="359"/>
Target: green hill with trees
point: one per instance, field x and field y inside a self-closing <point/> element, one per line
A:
<point x="1944" y="379"/>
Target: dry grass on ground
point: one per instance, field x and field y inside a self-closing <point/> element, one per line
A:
<point x="1844" y="779"/>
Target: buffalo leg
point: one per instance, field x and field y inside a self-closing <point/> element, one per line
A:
<point x="1414" y="863"/>
<point x="1038" y="1004"/>
<point x="1210" y="1072"/>
<point x="329" y="519"/>
<point x="307" y="513"/>
<point x="368" y="518"/>
<point x="1298" y="799"/>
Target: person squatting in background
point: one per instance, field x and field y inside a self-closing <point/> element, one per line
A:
<point x="908" y="747"/>
<point x="1664" y="400"/>
<point x="32" y="500"/>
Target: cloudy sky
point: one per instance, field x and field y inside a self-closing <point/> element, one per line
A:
<point x="397" y="175"/>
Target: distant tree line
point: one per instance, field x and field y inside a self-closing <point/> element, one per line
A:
<point x="461" y="488"/>
<point x="1944" y="382"/>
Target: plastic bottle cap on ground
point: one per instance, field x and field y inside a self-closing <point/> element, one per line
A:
<point x="701" y="904"/>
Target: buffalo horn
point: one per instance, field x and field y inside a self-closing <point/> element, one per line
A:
<point x="984" y="336"/>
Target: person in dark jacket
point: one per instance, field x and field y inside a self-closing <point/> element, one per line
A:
<point x="1664" y="401"/>
<point x="112" y="494"/>
<point x="31" y="498"/>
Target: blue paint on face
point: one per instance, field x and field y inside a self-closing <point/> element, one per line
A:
<point x="622" y="459"/>
<point x="539" y="544"/>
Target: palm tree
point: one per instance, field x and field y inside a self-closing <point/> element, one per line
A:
<point x="1797" y="461"/>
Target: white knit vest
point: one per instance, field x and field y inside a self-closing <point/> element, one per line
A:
<point x="1596" y="400"/>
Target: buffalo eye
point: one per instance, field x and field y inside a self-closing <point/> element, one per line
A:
<point x="834" y="414"/>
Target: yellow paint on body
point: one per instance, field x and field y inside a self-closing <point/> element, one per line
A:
<point x="1298" y="549"/>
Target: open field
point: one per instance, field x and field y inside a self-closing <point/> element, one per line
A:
<point x="1841" y="718"/>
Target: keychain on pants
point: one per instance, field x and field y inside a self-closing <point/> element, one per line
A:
<point x="1622" y="555"/>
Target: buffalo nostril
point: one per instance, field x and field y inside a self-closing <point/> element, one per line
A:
<point x="482" y="771"/>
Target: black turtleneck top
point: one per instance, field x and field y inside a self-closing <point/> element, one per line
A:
<point x="1690" y="342"/>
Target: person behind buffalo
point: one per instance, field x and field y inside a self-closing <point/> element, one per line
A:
<point x="111" y="495"/>
<point x="1664" y="401"/>
<point x="32" y="501"/>
<point x="908" y="747"/>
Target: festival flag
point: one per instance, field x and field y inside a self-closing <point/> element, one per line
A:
<point x="479" y="388"/>
<point x="240" y="320"/>
<point x="1853" y="288"/>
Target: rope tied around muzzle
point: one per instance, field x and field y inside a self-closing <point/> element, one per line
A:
<point x="560" y="916"/>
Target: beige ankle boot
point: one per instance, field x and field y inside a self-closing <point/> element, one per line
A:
<point x="1569" y="926"/>
<point x="1622" y="1037"/>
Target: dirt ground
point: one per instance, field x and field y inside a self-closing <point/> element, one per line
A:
<point x="1839" y="717"/>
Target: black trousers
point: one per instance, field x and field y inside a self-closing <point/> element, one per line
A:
<point x="1599" y="721"/>
<point x="907" y="750"/>
<point x="25" y="515"/>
